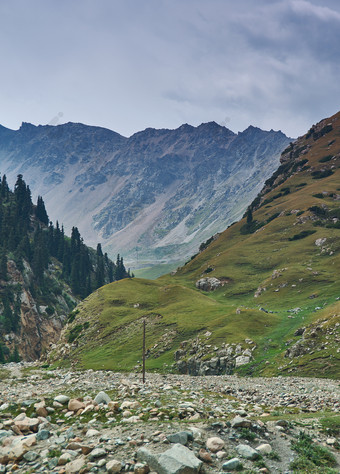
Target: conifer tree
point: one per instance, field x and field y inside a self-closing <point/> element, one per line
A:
<point x="3" y="266"/>
<point x="40" y="211"/>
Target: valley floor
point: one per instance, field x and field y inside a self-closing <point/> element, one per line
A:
<point x="216" y="418"/>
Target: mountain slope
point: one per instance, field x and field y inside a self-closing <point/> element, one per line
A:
<point x="275" y="309"/>
<point x="154" y="196"/>
<point x="43" y="274"/>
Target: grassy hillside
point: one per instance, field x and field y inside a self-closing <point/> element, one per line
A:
<point x="279" y="298"/>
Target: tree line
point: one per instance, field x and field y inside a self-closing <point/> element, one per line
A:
<point x="27" y="236"/>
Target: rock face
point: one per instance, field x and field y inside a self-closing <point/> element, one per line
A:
<point x="37" y="328"/>
<point x="208" y="284"/>
<point x="190" y="182"/>
<point x="198" y="357"/>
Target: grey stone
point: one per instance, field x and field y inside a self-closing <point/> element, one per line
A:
<point x="30" y="456"/>
<point x="176" y="460"/>
<point x="181" y="437"/>
<point x="232" y="464"/>
<point x="63" y="399"/>
<point x="247" y="452"/>
<point x="102" y="397"/>
<point x="5" y="434"/>
<point x="28" y="403"/>
<point x="239" y="422"/>
<point x="241" y="360"/>
<point x="52" y="463"/>
<point x="69" y="433"/>
<point x="97" y="453"/>
<point x="208" y="284"/>
<point x="42" y="435"/>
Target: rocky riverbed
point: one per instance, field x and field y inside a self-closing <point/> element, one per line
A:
<point x="62" y="421"/>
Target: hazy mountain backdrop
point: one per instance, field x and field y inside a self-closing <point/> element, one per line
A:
<point x="154" y="196"/>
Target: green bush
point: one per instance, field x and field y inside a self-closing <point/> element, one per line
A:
<point x="302" y="235"/>
<point x="324" y="159"/>
<point x="319" y="196"/>
<point x="74" y="333"/>
<point x="319" y="174"/>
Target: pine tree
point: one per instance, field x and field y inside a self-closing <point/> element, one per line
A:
<point x="100" y="270"/>
<point x="249" y="216"/>
<point x="40" y="211"/>
<point x="3" y="266"/>
<point x="2" y="355"/>
<point x="4" y="188"/>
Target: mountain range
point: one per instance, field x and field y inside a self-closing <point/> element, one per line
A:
<point x="262" y="298"/>
<point x="154" y="196"/>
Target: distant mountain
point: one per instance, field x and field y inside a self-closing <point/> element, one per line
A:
<point x="262" y="298"/>
<point x="154" y="196"/>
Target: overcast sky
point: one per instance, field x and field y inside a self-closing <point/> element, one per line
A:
<point x="131" y="64"/>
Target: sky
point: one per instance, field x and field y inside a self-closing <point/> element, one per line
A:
<point x="131" y="64"/>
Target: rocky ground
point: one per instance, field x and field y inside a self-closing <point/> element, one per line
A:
<point x="60" y="421"/>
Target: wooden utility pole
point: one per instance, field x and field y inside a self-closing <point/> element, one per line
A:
<point x="144" y="351"/>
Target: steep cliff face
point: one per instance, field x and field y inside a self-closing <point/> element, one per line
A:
<point x="154" y="196"/>
<point x="39" y="325"/>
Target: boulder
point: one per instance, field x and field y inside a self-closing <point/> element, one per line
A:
<point x="102" y="397"/>
<point x="15" y="448"/>
<point x="181" y="437"/>
<point x="176" y="460"/>
<point x="141" y="468"/>
<point x="26" y="424"/>
<point x="75" y="405"/>
<point x="113" y="466"/>
<point x="208" y="284"/>
<point x="232" y="465"/>
<point x="241" y="360"/>
<point x="239" y="422"/>
<point x="264" y="448"/>
<point x="97" y="453"/>
<point x="75" y="466"/>
<point x="215" y="444"/>
<point x="247" y="452"/>
<point x="62" y="399"/>
<point x="40" y="408"/>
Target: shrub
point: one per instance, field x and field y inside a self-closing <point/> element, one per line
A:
<point x="250" y="227"/>
<point x="302" y="235"/>
<point x="319" y="174"/>
<point x="326" y="129"/>
<point x="271" y="218"/>
<point x="326" y="158"/>
<point x="318" y="211"/>
<point x="74" y="333"/>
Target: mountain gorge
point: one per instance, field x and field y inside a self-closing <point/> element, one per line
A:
<point x="43" y="273"/>
<point x="154" y="196"/>
<point x="262" y="298"/>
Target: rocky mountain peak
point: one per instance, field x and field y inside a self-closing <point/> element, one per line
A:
<point x="175" y="188"/>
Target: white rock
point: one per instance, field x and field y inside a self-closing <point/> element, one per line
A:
<point x="264" y="448"/>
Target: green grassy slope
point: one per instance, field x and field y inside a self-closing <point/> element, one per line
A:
<point x="277" y="280"/>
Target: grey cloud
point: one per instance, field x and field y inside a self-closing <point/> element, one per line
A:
<point x="127" y="65"/>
